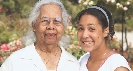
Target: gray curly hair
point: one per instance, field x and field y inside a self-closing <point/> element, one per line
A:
<point x="30" y="38"/>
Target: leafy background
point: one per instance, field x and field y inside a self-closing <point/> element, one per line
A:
<point x="14" y="24"/>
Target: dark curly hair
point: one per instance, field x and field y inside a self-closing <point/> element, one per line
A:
<point x="105" y="20"/>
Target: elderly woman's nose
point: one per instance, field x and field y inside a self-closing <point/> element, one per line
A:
<point x="50" y="26"/>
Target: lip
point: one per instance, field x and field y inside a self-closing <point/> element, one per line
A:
<point x="87" y="43"/>
<point x="50" y="35"/>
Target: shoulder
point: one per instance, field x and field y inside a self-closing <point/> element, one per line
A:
<point x="117" y="60"/>
<point x="84" y="58"/>
<point x="68" y="55"/>
<point x="22" y="53"/>
<point x="121" y="69"/>
<point x="68" y="58"/>
<point x="15" y="59"/>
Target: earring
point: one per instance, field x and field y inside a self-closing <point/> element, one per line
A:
<point x="110" y="37"/>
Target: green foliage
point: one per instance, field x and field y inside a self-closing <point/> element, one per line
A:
<point x="73" y="7"/>
<point x="25" y="11"/>
<point x="129" y="24"/>
<point x="118" y="27"/>
<point x="76" y="52"/>
<point x="19" y="7"/>
<point x="8" y="6"/>
<point x="4" y="55"/>
<point x="12" y="29"/>
<point x="114" y="44"/>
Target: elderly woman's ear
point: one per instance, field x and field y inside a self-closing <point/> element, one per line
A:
<point x="33" y="26"/>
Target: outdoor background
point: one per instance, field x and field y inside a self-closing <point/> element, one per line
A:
<point x="14" y="25"/>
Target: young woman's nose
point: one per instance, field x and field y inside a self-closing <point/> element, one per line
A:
<point x="85" y="34"/>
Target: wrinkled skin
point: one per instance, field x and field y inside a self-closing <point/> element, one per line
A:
<point x="50" y="34"/>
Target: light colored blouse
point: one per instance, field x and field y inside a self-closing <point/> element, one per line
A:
<point x="52" y="70"/>
<point x="111" y="63"/>
<point x="27" y="59"/>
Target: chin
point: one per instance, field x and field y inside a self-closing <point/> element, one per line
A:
<point x="50" y="42"/>
<point x="86" y="49"/>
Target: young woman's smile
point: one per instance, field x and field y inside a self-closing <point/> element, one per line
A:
<point x="87" y="43"/>
<point x="90" y="33"/>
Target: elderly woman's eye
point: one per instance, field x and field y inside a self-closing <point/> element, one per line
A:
<point x="45" y="21"/>
<point x="57" y="20"/>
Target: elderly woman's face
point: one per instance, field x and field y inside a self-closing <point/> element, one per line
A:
<point x="49" y="26"/>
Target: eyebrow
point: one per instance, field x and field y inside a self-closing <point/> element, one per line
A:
<point x="44" y="17"/>
<point x="89" y="24"/>
<point x="49" y="17"/>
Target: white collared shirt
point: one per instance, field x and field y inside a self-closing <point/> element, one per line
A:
<point x="112" y="62"/>
<point x="27" y="59"/>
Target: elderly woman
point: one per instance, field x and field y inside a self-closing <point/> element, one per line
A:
<point x="48" y="20"/>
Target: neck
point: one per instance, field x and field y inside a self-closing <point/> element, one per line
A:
<point x="99" y="53"/>
<point x="46" y="48"/>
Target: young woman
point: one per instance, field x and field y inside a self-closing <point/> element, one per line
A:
<point x="95" y="28"/>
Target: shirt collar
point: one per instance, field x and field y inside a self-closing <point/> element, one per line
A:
<point x="31" y="54"/>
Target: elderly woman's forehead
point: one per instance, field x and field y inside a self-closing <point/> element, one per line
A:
<point x="51" y="4"/>
<point x="51" y="9"/>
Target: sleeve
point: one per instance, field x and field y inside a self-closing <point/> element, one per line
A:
<point x="77" y="68"/>
<point x="119" y="61"/>
<point x="11" y="63"/>
<point x="7" y="65"/>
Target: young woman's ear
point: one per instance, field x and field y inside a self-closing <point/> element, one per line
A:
<point x="106" y="32"/>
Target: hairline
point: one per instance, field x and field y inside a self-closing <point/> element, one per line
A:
<point x="33" y="20"/>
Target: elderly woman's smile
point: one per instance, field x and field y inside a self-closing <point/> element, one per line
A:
<point x="50" y="35"/>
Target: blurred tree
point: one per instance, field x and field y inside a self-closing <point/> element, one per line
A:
<point x="116" y="7"/>
<point x="13" y="16"/>
<point x="17" y="8"/>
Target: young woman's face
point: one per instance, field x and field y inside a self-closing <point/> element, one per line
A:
<point x="49" y="26"/>
<point x="90" y="33"/>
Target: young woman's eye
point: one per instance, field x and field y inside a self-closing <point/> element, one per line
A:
<point x="92" y="29"/>
<point x="80" y="29"/>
